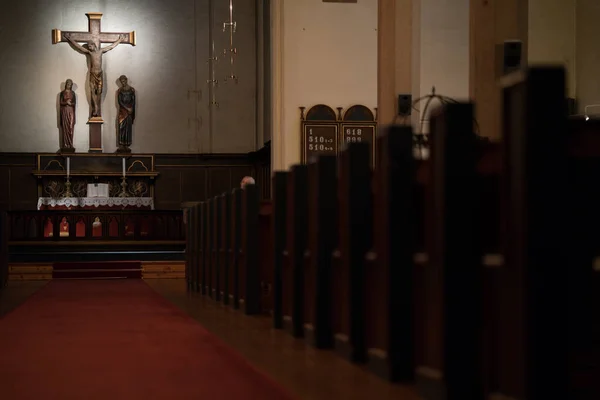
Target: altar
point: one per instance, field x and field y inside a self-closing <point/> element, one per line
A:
<point x="68" y="182"/>
<point x="64" y="180"/>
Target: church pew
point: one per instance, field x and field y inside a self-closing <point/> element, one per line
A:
<point x="210" y="246"/>
<point x="584" y="286"/>
<point x="322" y="239"/>
<point x="447" y="359"/>
<point x="389" y="269"/>
<point x="203" y="246"/>
<point x="249" y="274"/>
<point x="355" y="239"/>
<point x="450" y="365"/>
<point x="548" y="263"/>
<point x="189" y="233"/>
<point x="199" y="246"/>
<point x="278" y="238"/>
<point x="265" y="256"/>
<point x="225" y="234"/>
<point x="3" y="249"/>
<point x="192" y="242"/>
<point x="216" y="262"/>
<point x="293" y="254"/>
<point x="235" y="246"/>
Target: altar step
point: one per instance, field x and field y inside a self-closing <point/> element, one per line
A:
<point x="47" y="254"/>
<point x="163" y="269"/>
<point x="97" y="270"/>
<point x="30" y="272"/>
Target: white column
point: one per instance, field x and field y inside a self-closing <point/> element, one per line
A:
<point x="277" y="115"/>
<point x="440" y="51"/>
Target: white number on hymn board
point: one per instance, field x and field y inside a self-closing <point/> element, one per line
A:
<point x="353" y="135"/>
<point x="314" y="140"/>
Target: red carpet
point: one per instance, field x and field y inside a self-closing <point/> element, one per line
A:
<point x="117" y="339"/>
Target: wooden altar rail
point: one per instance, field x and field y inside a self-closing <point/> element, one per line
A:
<point x="70" y="226"/>
<point x="472" y="275"/>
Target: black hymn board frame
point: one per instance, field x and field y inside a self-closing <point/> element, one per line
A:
<point x="325" y="132"/>
<point x="320" y="132"/>
<point x="359" y="124"/>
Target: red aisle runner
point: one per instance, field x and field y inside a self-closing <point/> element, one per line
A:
<point x="118" y="340"/>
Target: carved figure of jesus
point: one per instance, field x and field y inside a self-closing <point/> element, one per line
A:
<point x="95" y="56"/>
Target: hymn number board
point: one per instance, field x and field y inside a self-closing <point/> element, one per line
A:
<point x="325" y="132"/>
<point x="359" y="125"/>
<point x="320" y="132"/>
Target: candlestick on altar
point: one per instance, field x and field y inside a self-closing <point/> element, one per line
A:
<point x="68" y="166"/>
<point x="123" y="187"/>
<point x="68" y="192"/>
<point x="123" y="167"/>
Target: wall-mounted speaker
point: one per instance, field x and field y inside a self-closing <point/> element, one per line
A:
<point x="512" y="56"/>
<point x="404" y="105"/>
<point x="571" y="106"/>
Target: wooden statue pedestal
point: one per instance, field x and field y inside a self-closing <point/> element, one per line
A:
<point x="123" y="150"/>
<point x="95" y="124"/>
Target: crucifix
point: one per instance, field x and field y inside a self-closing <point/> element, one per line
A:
<point x="94" y="37"/>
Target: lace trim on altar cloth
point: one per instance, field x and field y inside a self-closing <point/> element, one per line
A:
<point x="96" y="202"/>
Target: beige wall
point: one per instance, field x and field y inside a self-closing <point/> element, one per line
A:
<point x="552" y="36"/>
<point x="321" y="53"/>
<point x="169" y="61"/>
<point x="588" y="54"/>
<point x="440" y="51"/>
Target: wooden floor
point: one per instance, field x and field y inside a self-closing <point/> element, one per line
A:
<point x="303" y="370"/>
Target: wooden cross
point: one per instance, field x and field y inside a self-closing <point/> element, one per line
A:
<point x="94" y="33"/>
<point x="97" y="37"/>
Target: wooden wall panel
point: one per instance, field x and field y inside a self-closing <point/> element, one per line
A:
<point x="4" y="183"/>
<point x="219" y="180"/>
<point x="167" y="189"/>
<point x="23" y="188"/>
<point x="193" y="184"/>
<point x="18" y="188"/>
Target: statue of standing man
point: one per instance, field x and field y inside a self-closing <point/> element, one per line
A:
<point x="126" y="100"/>
<point x="95" y="74"/>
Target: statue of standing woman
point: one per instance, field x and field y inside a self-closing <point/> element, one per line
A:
<point x="126" y="100"/>
<point x="67" y="115"/>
